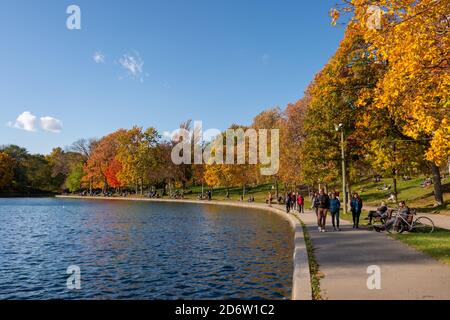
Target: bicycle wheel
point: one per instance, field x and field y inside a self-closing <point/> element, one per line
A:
<point x="423" y="225"/>
<point x="395" y="228"/>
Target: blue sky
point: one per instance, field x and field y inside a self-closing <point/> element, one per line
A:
<point x="158" y="64"/>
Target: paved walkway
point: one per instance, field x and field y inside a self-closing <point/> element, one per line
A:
<point x="343" y="258"/>
<point x="440" y="220"/>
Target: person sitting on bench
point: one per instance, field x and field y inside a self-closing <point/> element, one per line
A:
<point x="380" y="213"/>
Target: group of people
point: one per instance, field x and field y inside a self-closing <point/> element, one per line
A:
<point x="295" y="201"/>
<point x="322" y="202"/>
<point x="292" y="200"/>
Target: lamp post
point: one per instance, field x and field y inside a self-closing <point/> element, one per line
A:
<point x="340" y="127"/>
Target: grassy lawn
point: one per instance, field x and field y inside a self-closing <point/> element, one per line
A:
<point x="410" y="191"/>
<point x="258" y="192"/>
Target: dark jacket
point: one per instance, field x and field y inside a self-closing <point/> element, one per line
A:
<point x="324" y="201"/>
<point x="335" y="205"/>
<point x="287" y="200"/>
<point x="356" y="205"/>
<point x="315" y="201"/>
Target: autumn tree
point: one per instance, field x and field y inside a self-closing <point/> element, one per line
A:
<point x="102" y="155"/>
<point x="332" y="100"/>
<point x="412" y="41"/>
<point x="268" y="120"/>
<point x="84" y="148"/>
<point x="19" y="156"/>
<point x="6" y="170"/>
<point x="136" y="153"/>
<point x="292" y="135"/>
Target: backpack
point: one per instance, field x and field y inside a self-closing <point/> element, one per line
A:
<point x="323" y="200"/>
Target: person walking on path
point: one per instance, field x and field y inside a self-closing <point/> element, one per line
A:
<point x="293" y="201"/>
<point x="323" y="206"/>
<point x="288" y="203"/>
<point x="269" y="199"/>
<point x="356" y="207"/>
<point x="315" y="207"/>
<point x="335" y="206"/>
<point x="301" y="203"/>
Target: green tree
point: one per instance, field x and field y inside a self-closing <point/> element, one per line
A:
<point x="74" y="179"/>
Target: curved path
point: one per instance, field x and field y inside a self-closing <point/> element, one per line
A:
<point x="344" y="257"/>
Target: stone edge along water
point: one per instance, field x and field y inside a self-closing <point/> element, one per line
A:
<point x="301" y="282"/>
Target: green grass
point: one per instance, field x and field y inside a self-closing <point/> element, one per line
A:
<point x="315" y="274"/>
<point x="259" y="192"/>
<point x="436" y="244"/>
<point x="410" y="191"/>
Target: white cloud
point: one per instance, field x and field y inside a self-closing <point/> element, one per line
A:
<point x="99" y="57"/>
<point x="133" y="65"/>
<point x="25" y="121"/>
<point x="51" y="124"/>
<point x="167" y="134"/>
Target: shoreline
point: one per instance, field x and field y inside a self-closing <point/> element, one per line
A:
<point x="301" y="278"/>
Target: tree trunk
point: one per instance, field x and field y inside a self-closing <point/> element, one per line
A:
<point x="449" y="165"/>
<point x="105" y="186"/>
<point x="394" y="180"/>
<point x="202" y="188"/>
<point x="276" y="183"/>
<point x="438" y="193"/>
<point x="348" y="193"/>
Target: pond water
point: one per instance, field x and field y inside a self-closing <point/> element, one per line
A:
<point x="142" y="250"/>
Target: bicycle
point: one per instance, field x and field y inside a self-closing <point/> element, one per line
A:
<point x="419" y="225"/>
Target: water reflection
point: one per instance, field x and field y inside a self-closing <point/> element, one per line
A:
<point x="139" y="250"/>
